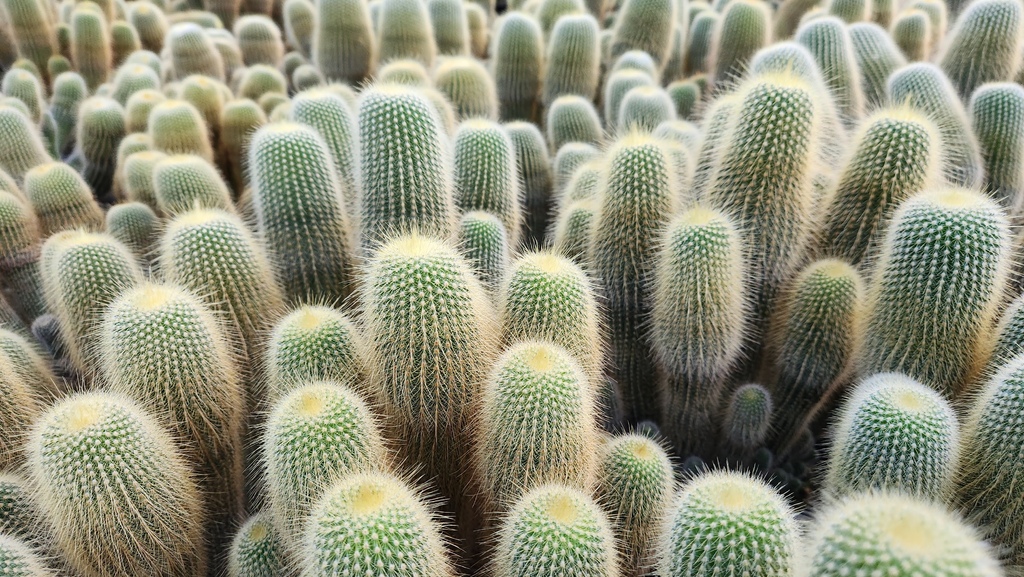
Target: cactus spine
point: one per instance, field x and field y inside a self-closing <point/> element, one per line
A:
<point x="484" y="241"/>
<point x="256" y="550"/>
<point x="314" y="343"/>
<point x="344" y="45"/>
<point x="18" y="559"/>
<point x="573" y="59"/>
<point x="90" y="45"/>
<point x="22" y="144"/>
<point x="877" y="57"/>
<point x="20" y="407"/>
<point x="518" y="65"/>
<point x="332" y="117"/>
<point x="986" y="45"/>
<point x="997" y="116"/>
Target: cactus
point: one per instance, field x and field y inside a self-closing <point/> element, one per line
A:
<point x="193" y="52"/>
<point x="533" y="170"/>
<point x="477" y="18"/>
<point x="133" y="78"/>
<point x="22" y="144"/>
<point x="259" y="39"/>
<point x="317" y="434"/>
<point x="893" y="534"/>
<point x="467" y="85"/>
<point x="485" y="177"/>
<point x="370" y="520"/>
<point x="185" y="182"/>
<point x="745" y="29"/>
<point x="164" y="348"/>
<point x="637" y="60"/>
<point x="239" y="120"/>
<point x="570" y="157"/>
<point x="829" y="42"/>
<point x="643" y="108"/>
<point x="19" y="516"/>
<point x="686" y="97"/>
<point x="450" y="27"/>
<point x="135" y="225"/>
<point x="985" y="45"/>
<point x="344" y="44"/>
<point x="921" y="460"/>
<point x="939" y="336"/>
<point x="404" y="32"/>
<point x="18" y="559"/>
<point x="306" y="77"/>
<point x="851" y="11"/>
<point x="573" y="59"/>
<point x="997" y="116"/>
<point x="877" y="57"/>
<point x="484" y="241"/>
<point x="32" y="28"/>
<point x="177" y="127"/>
<point x="124" y="40"/>
<point x="82" y="274"/>
<point x="256" y="550"/>
<point x="573" y="229"/>
<point x="555" y="530"/>
<point x="259" y="80"/>
<point x="57" y="65"/>
<point x="315" y="343"/>
<point x="537" y="423"/>
<point x="61" y="199"/>
<point x="698" y="320"/>
<point x="681" y="131"/>
<point x="329" y="115"/>
<point x="69" y="90"/>
<point x="640" y="196"/>
<point x="701" y="37"/>
<point x="894" y="156"/>
<point x="404" y="71"/>
<point x="925" y="88"/>
<point x="404" y="167"/>
<point x="913" y="34"/>
<point x="150" y="23"/>
<point x="1009" y="341"/>
<point x="517" y="65"/>
<point x="300" y="25"/>
<point x="207" y="96"/>
<point x="19" y="253"/>
<point x="25" y="87"/>
<point x="138" y="177"/>
<point x="573" y="119"/>
<point x="746" y="422"/>
<point x="635" y="487"/>
<point x="644" y="25"/>
<point x="101" y="126"/>
<point x="762" y="531"/>
<point x="549" y="12"/>
<point x="615" y="90"/>
<point x="138" y="108"/>
<point x="20" y="407"/>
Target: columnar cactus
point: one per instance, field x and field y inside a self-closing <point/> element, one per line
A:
<point x="986" y="45"/>
<point x="468" y="86"/>
<point x="137" y="109"/>
<point x="257" y="550"/>
<point x="485" y="175"/>
<point x="260" y="80"/>
<point x="69" y="90"/>
<point x="85" y="453"/>
<point x="484" y="241"/>
<point x="569" y="158"/>
<point x="747" y="422"/>
<point x="877" y="57"/>
<point x="138" y="177"/>
<point x="150" y="23"/>
<point x="177" y="127"/>
<point x="259" y="38"/>
<point x="555" y="530"/>
<point x="193" y="52"/>
<point x="573" y="60"/>
<point x="937" y="336"/>
<point x="828" y="40"/>
<point x="20" y="407"/>
<point x="745" y="28"/>
<point x="314" y="343"/>
<point x="549" y="12"/>
<point x="184" y="182"/>
<point x="90" y="45"/>
<point x="762" y="530"/>
<point x="32" y="28"/>
<point x="404" y="31"/>
<point x="643" y="108"/>
<point x="239" y="120"/>
<point x="300" y="25"/>
<point x="101" y="126"/>
<point x="517" y="63"/>
<point x="717" y="118"/>
<point x="61" y="199"/>
<point x="19" y="255"/>
<point x="851" y="11"/>
<point x="135" y="225"/>
<point x="24" y="86"/>
<point x="533" y="170"/>
<point x="913" y="34"/>
<point x="332" y="117"/>
<point x="644" y="25"/>
<point x="703" y="29"/>
<point x="615" y="90"/>
<point x="19" y="559"/>
<point x="686" y="96"/>
<point x="450" y="27"/>
<point x="573" y="119"/>
<point x="344" y="45"/>
<point x="22" y="144"/>
<point x="997" y="116"/>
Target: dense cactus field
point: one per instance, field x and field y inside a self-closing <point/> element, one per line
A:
<point x="551" y="288"/>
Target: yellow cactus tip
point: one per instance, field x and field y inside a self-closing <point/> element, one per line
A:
<point x="957" y="198"/>
<point x="152" y="297"/>
<point x="730" y="496"/>
<point x="699" y="217"/>
<point x="642" y="450"/>
<point x="368" y="499"/>
<point x="541" y="360"/>
<point x="912" y="534"/>
<point x="82" y="416"/>
<point x="309" y="319"/>
<point x="310" y="404"/>
<point x="562" y="509"/>
<point x="259" y="532"/>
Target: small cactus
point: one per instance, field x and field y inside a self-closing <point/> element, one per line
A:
<point x="314" y="343"/>
<point x="877" y="57"/>
<point x="177" y="127"/>
<point x="256" y="550"/>
<point x="22" y="145"/>
<point x="450" y="26"/>
<point x="468" y="86"/>
<point x="828" y="40"/>
<point x="913" y="34"/>
<point x="135" y="225"/>
<point x="483" y="240"/>
<point x="643" y="109"/>
<point x="573" y="118"/>
<point x="184" y="182"/>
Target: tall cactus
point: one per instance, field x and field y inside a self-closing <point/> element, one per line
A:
<point x="450" y="26"/>
<point x="32" y="29"/>
<point x="573" y="59"/>
<point x="877" y="57"/>
<point x="997" y="116"/>
<point x="404" y="31"/>
<point x="573" y="119"/>
<point x="19" y="256"/>
<point x="828" y="40"/>
<point x="22" y="144"/>
<point x="745" y="28"/>
<point x="644" y="25"/>
<point x="986" y="45"/>
<point x="533" y="170"/>
<point x="90" y="44"/>
<point x="61" y="199"/>
<point x="485" y="177"/>
<point x="517" y="63"/>
<point x="184" y="181"/>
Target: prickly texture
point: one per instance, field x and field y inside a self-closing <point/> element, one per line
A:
<point x="985" y="45"/>
<point x="101" y="126"/>
<point x="193" y="52"/>
<point x="925" y="88"/>
<point x="573" y="60"/>
<point x="747" y="421"/>
<point x="20" y="407"/>
<point x="124" y="40"/>
<point x="138" y="107"/>
<point x="572" y="229"/>
<point x="19" y="559"/>
<point x="69" y="90"/>
<point x="549" y="12"/>
<point x="239" y="120"/>
<point x="32" y="29"/>
<point x="165" y="349"/>
<point x="555" y="530"/>
<point x="404" y="32"/>
<point x="644" y="25"/>
<point x="716" y="121"/>
<point x="1009" y="335"/>
<point x="404" y="71"/>
<point x="701" y="38"/>
<point x="761" y="529"/>
<point x="331" y="116"/>
<point x="25" y="87"/>
<point x="615" y="89"/>
<point x="569" y="158"/>
<point x="450" y="27"/>
<point x="573" y="119"/>
<point x="373" y="520"/>
<point x="315" y="343"/>
<point x="686" y="96"/>
<point x="82" y="274"/>
<point x="185" y="182"/>
<point x="19" y="516"/>
<point x="468" y="86"/>
<point x="517" y="62"/>
<point x="877" y="57"/>
<point x="259" y="80"/>
<point x="939" y="335"/>
<point x="61" y="199"/>
<point x="150" y="23"/>
<point x="135" y="225"/>
<point x="643" y="109"/>
<point x="105" y="468"/>
<point x="28" y="361"/>
<point x="315" y="435"/>
<point x="533" y="169"/>
<point x="22" y="146"/>
<point x="851" y="11"/>
<point x="997" y="116"/>
<point x="405" y="165"/>
<point x="635" y="486"/>
<point x="344" y="45"/>
<point x="300" y="212"/>
<point x="90" y="45"/>
<point x="894" y="434"/>
<point x="894" y="156"/>
<point x="138" y="177"/>
<point x="893" y="534"/>
<point x="19" y="255"/>
<point x="637" y="60"/>
<point x="912" y="33"/>
<point x="485" y="175"/>
<point x="256" y="549"/>
<point x="259" y="39"/>
<point x="828" y="40"/>
<point x="484" y="241"/>
<point x="745" y="29"/>
<point x="698" y="318"/>
<point x="640" y="196"/>
<point x="177" y="127"/>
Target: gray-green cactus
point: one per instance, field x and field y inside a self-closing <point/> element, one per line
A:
<point x="573" y="59"/>
<point x="985" y="45"/>
<point x="997" y="116"/>
<point x="517" y="63"/>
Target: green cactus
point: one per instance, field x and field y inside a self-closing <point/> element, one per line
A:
<point x="257" y="550"/>
<point x="138" y="177"/>
<point x="316" y="435"/>
<point x="937" y="12"/>
<point x="370" y="520"/>
<point x="985" y="45"/>
<point x="851" y="11"/>
<point x="450" y="27"/>
<point x="573" y="59"/>
<point x="939" y="336"/>
<point x="193" y="52"/>
<point x="124" y="40"/>
<point x="330" y="115"/>
<point x="913" y="34"/>
<point x="19" y="516"/>
<point x="701" y="37"/>
<point x="570" y="157"/>
<point x="477" y="18"/>
<point x="485" y="175"/>
<point x="645" y="107"/>
<point x="920" y="460"/>
<point x="573" y="229"/>
<point x="747" y="422"/>
<point x="895" y="154"/>
<point x="637" y="60"/>
<point x="185" y="182"/>
<point x="163" y="347"/>
<point x="640" y="197"/>
<point x="259" y="39"/>
<point x="19" y="559"/>
<point x="533" y="171"/>
<point x="615" y="90"/>
<point x="484" y="241"/>
<point x="698" y="321"/>
<point x="468" y="86"/>
<point x="681" y="131"/>
<point x="239" y="120"/>
<point x="61" y="199"/>
<point x="20" y="407"/>
<point x="549" y="12"/>
<point x="518" y="65"/>
<point x="307" y="77"/>
<point x="404" y="32"/>
<point x="69" y="90"/>
<point x="32" y="28"/>
<point x="644" y="25"/>
<point x="717" y="117"/>
<point x="177" y="127"/>
<point x="405" y="166"/>
<point x="573" y="118"/>
<point x="300" y="25"/>
<point x="344" y="43"/>
<point x="57" y="65"/>
<point x="877" y="57"/>
<point x="745" y="29"/>
<point x="22" y="147"/>
<point x="997" y="116"/>
<point x="1009" y="336"/>
<point x="635" y="486"/>
<point x="537" y="423"/>
<point x="925" y="88"/>
<point x="91" y="448"/>
<point x="760" y="525"/>
<point x="150" y="23"/>
<point x="315" y="343"/>
<point x="894" y="534"/>
<point x="555" y="530"/>
<point x="138" y="108"/>
<point x="19" y="253"/>
<point x="404" y="71"/>
<point x="686" y="96"/>
<point x="25" y="87"/>
<point x="135" y="225"/>
<point x="828" y="40"/>
<point x="259" y="80"/>
<point x="101" y="126"/>
<point x="82" y="274"/>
